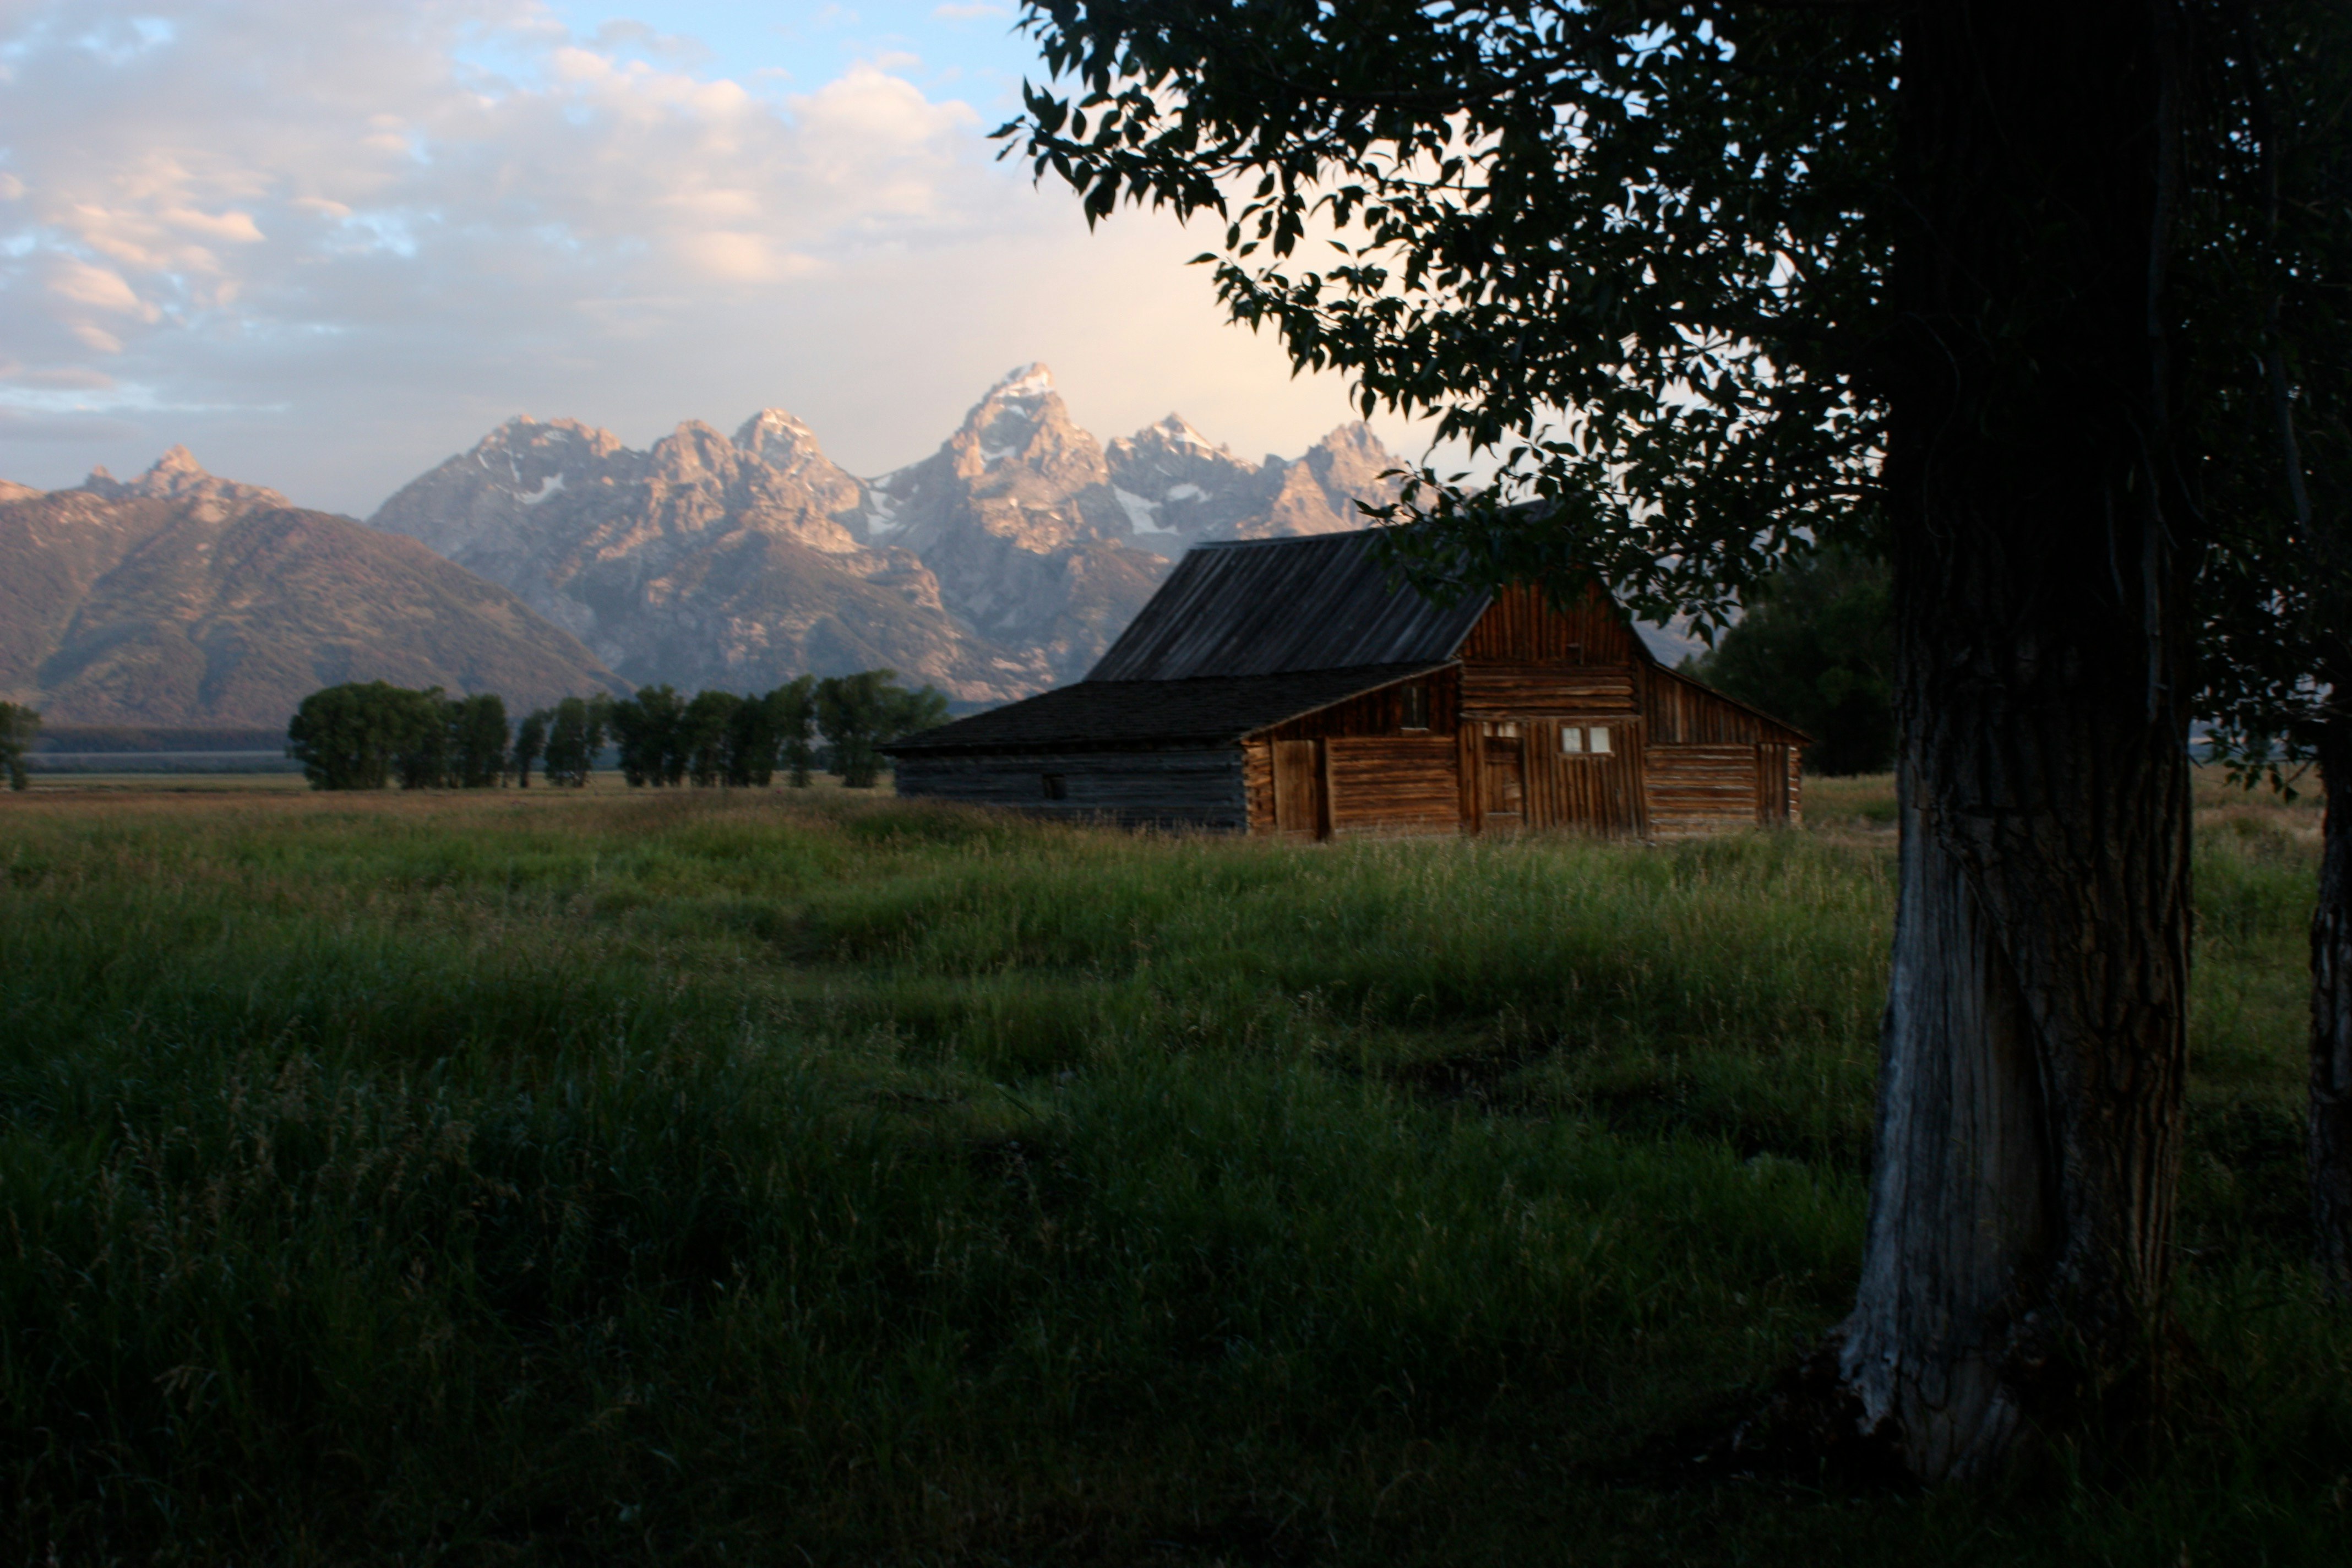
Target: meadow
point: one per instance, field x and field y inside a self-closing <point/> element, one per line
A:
<point x="781" y="1177"/>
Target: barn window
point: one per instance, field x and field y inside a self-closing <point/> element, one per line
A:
<point x="1057" y="787"/>
<point x="1600" y="737"/>
<point x="1416" y="707"/>
<point x="1571" y="739"/>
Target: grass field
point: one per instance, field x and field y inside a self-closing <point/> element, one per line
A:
<point x="761" y="1178"/>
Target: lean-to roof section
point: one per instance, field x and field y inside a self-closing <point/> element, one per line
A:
<point x="1111" y="715"/>
<point x="1282" y="607"/>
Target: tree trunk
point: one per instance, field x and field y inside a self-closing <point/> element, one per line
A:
<point x="2331" y="1012"/>
<point x="2034" y="1047"/>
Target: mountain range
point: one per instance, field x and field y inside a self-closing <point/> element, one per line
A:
<point x="552" y="558"/>
<point x="1004" y="562"/>
<point x="180" y="598"/>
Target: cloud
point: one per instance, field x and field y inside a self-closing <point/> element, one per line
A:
<point x="335" y="242"/>
<point x="622" y="35"/>
<point x="257" y="159"/>
<point x="79" y="283"/>
<point x="968" y="13"/>
<point x="19" y="428"/>
<point x="75" y="378"/>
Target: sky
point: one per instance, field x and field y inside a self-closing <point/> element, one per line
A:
<point x="327" y="244"/>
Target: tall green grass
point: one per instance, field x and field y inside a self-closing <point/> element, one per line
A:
<point x="720" y="1178"/>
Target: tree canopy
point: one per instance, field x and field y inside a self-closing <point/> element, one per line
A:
<point x="20" y="725"/>
<point x="2275" y="593"/>
<point x="1817" y="648"/>
<point x="1677" y="329"/>
<point x="860" y="713"/>
<point x="353" y="736"/>
<point x="576" y="729"/>
<point x="363" y="736"/>
<point x="1670" y="326"/>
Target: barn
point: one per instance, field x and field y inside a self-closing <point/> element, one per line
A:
<point x="1289" y="687"/>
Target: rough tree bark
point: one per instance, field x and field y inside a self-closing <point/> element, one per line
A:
<point x="2033" y="1045"/>
<point x="2331" y="1012"/>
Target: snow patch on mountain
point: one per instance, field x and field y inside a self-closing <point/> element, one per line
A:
<point x="1142" y="516"/>
<point x="1029" y="381"/>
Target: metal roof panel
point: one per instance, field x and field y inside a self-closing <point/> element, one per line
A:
<point x="1280" y="606"/>
<point x="1210" y="710"/>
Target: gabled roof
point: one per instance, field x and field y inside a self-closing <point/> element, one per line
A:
<point x="1281" y="606"/>
<point x="1212" y="711"/>
<point x="1240" y="637"/>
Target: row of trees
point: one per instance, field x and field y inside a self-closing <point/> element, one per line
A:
<point x="366" y="735"/>
<point x="20" y="725"/>
<point x="717" y="737"/>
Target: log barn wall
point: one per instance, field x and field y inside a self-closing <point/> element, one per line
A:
<point x="1518" y="691"/>
<point x="1257" y="784"/>
<point x="1780" y="774"/>
<point x="1522" y="627"/>
<point x="1682" y="713"/>
<point x="1592" y="792"/>
<point x="1715" y="765"/>
<point x="1700" y="789"/>
<point x="1394" y="784"/>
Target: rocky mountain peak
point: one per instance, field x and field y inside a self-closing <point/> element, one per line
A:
<point x="176" y="475"/>
<point x="1018" y="470"/>
<point x="1008" y="558"/>
<point x="1176" y="432"/>
<point x="1169" y="445"/>
<point x="778" y="440"/>
<point x="539" y="459"/>
<point x="1021" y="429"/>
<point x="1179" y="489"/>
<point x="693" y="452"/>
<point x="1352" y="458"/>
<point x="524" y="432"/>
<point x="701" y="559"/>
<point x="1026" y="382"/>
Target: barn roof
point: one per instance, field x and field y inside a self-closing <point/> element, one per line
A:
<point x="1242" y="637"/>
<point x="1209" y="710"/>
<point x="1281" y="606"/>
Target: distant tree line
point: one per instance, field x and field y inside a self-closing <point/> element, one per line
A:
<point x="366" y="735"/>
<point x="20" y="727"/>
<point x="1816" y="649"/>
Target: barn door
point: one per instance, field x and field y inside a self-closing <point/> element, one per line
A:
<point x="1586" y="774"/>
<point x="1503" y="784"/>
<point x="1772" y="772"/>
<point x="1297" y="788"/>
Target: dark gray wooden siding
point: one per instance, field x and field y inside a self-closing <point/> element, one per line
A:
<point x="1194" y="788"/>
